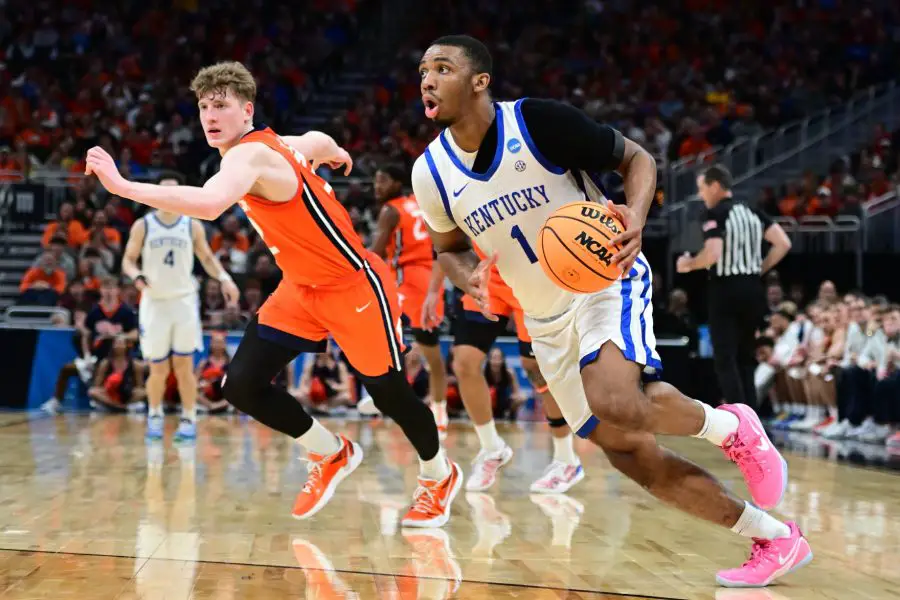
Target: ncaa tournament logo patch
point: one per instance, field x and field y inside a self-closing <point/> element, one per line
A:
<point x="514" y="145"/>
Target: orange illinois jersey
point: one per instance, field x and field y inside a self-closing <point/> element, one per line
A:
<point x="410" y="242"/>
<point x="311" y="235"/>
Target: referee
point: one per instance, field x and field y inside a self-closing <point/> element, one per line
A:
<point x="732" y="252"/>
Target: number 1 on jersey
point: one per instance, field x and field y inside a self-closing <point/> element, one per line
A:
<point x="517" y="235"/>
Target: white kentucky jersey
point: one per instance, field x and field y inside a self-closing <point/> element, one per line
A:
<point x="167" y="258"/>
<point x="503" y="209"/>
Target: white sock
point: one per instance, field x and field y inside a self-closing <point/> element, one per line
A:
<point x="437" y="468"/>
<point x="564" y="450"/>
<point x="319" y="440"/>
<point x="718" y="425"/>
<point x="488" y="436"/>
<point x="756" y="523"/>
<point x="155" y="411"/>
<point x="190" y="415"/>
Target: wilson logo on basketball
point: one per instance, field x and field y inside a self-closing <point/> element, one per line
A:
<point x="594" y="247"/>
<point x="601" y="217"/>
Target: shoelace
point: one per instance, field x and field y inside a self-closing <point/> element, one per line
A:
<point x="423" y="500"/>
<point x="757" y="552"/>
<point x="741" y="453"/>
<point x="315" y="474"/>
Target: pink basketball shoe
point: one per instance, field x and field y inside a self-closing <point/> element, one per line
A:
<point x="769" y="560"/>
<point x="763" y="467"/>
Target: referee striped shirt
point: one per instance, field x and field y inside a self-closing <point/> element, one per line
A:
<point x="742" y="230"/>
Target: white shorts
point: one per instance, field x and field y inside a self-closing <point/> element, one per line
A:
<point x="563" y="345"/>
<point x="170" y="326"/>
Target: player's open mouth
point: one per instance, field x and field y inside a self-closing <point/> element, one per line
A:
<point x="214" y="131"/>
<point x="431" y="107"/>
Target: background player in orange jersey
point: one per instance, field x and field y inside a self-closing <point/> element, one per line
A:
<point x="331" y="286"/>
<point x="474" y="335"/>
<point x="403" y="241"/>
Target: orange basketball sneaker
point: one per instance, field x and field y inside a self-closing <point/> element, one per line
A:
<point x="325" y="473"/>
<point x="432" y="500"/>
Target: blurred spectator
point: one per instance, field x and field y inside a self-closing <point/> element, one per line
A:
<point x="65" y="226"/>
<point x="233" y="259"/>
<point x="676" y="319"/>
<point x="210" y="373"/>
<point x="267" y="274"/>
<point x="506" y="397"/>
<point x="58" y="247"/>
<point x="42" y="285"/>
<point x="97" y="249"/>
<point x="112" y="239"/>
<point x="324" y="384"/>
<point x="119" y="379"/>
<point x="774" y="296"/>
<point x="231" y="228"/>
<point x="213" y="302"/>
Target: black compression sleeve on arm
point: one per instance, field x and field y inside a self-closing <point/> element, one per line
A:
<point x="570" y="139"/>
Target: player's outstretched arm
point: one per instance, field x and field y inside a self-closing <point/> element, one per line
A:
<point x="133" y="252"/>
<point x="320" y="149"/>
<point x="238" y="173"/>
<point x="211" y="264"/>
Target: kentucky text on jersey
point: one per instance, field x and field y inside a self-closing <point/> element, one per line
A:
<point x="521" y="201"/>
<point x="168" y="241"/>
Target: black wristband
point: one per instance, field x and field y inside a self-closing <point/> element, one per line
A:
<point x="140" y="278"/>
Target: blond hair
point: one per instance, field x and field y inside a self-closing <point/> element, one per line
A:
<point x="223" y="77"/>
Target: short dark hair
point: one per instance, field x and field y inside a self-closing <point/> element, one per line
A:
<point x="395" y="172"/>
<point x="58" y="239"/>
<point x="475" y="51"/>
<point x="171" y="175"/>
<point x="718" y="174"/>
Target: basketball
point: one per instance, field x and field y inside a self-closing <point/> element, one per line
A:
<point x="574" y="247"/>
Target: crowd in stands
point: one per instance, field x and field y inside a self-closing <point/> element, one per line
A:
<point x="75" y="75"/>
<point x="850" y="182"/>
<point x="832" y="367"/>
<point x="680" y="78"/>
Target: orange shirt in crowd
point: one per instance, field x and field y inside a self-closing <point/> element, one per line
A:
<point x="56" y="279"/>
<point x="111" y="235"/>
<point x="242" y="242"/>
<point x="77" y="234"/>
<point x="789" y="206"/>
<point x="693" y="147"/>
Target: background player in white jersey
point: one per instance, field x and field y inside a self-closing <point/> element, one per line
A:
<point x="169" y="313"/>
<point x="508" y="166"/>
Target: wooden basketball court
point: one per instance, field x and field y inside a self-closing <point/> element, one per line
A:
<point x="89" y="510"/>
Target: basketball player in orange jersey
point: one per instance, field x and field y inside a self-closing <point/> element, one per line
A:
<point x="473" y="337"/>
<point x="331" y="286"/>
<point x="403" y="241"/>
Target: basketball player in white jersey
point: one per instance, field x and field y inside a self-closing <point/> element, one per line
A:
<point x="169" y="313"/>
<point x="493" y="176"/>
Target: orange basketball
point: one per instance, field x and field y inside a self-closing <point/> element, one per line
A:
<point x="574" y="247"/>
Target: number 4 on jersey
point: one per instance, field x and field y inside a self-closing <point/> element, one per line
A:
<point x="169" y="259"/>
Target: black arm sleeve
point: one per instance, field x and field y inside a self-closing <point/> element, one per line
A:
<point x="568" y="138"/>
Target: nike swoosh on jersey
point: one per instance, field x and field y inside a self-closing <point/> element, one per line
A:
<point x="359" y="309"/>
<point x="456" y="193"/>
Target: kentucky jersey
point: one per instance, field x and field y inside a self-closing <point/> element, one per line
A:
<point x="167" y="258"/>
<point x="503" y="209"/>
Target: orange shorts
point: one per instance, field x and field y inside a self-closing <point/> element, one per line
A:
<point x="361" y="313"/>
<point x="502" y="304"/>
<point x="412" y="281"/>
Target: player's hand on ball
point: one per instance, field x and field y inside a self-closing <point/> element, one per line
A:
<point x="630" y="240"/>
<point x="683" y="264"/>
<point x="340" y="157"/>
<point x="101" y="164"/>
<point x="430" y="318"/>
<point x="231" y="292"/>
<point x="478" y="286"/>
